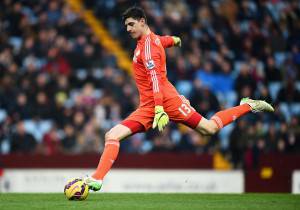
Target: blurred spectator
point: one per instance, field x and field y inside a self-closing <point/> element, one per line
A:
<point x="69" y="143"/>
<point x="273" y="74"/>
<point x="162" y="142"/>
<point x="245" y="84"/>
<point x="56" y="64"/>
<point x="272" y="138"/>
<point x="42" y="106"/>
<point x="294" y="136"/>
<point x="51" y="142"/>
<point x="204" y="100"/>
<point x="289" y="92"/>
<point x="264" y="94"/>
<point x="56" y="78"/>
<point x="237" y="143"/>
<point x="22" y="110"/>
<point x="89" y="140"/>
<point x="21" y="141"/>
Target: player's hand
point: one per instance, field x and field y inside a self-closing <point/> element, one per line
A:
<point x="177" y="41"/>
<point x="161" y="118"/>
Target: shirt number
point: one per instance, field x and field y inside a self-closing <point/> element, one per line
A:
<point x="184" y="109"/>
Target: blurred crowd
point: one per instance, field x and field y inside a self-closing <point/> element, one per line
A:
<point x="61" y="91"/>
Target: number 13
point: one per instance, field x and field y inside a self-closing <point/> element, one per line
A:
<point x="184" y="109"/>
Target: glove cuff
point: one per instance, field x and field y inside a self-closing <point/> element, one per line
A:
<point x="176" y="40"/>
<point x="159" y="109"/>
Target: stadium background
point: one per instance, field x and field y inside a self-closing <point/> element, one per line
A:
<point x="65" y="80"/>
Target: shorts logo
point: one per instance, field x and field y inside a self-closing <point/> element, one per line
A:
<point x="150" y="64"/>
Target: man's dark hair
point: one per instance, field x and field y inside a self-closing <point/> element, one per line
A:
<point x="134" y="12"/>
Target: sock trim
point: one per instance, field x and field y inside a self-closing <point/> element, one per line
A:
<point x="218" y="121"/>
<point x="112" y="142"/>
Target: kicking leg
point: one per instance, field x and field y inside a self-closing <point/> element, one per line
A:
<point x="225" y="117"/>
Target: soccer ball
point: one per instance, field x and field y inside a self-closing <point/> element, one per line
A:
<point x="76" y="189"/>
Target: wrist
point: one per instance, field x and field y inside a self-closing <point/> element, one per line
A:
<point x="158" y="101"/>
<point x="176" y="41"/>
<point x="158" y="108"/>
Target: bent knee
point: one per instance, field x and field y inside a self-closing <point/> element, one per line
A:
<point x="118" y="132"/>
<point x="212" y="129"/>
<point x="207" y="127"/>
<point x="109" y="135"/>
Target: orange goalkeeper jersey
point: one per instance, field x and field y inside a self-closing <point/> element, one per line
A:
<point x="149" y="70"/>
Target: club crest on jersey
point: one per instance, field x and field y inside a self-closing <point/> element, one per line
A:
<point x="157" y="41"/>
<point x="150" y="64"/>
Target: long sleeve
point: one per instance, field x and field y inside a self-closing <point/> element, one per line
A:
<point x="166" y="41"/>
<point x="152" y="60"/>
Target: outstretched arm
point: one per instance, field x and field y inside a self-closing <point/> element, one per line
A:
<point x="170" y="41"/>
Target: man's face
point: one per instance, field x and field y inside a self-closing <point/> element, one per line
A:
<point x="135" y="27"/>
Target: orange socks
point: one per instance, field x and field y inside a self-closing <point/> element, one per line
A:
<point x="227" y="116"/>
<point x="108" y="157"/>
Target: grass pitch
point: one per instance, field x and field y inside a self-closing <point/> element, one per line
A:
<point x="131" y="201"/>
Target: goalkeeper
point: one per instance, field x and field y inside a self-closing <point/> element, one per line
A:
<point x="159" y="100"/>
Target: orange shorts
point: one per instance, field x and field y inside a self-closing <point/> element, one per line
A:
<point x="178" y="109"/>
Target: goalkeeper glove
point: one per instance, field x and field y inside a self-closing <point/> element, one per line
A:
<point x="177" y="41"/>
<point x="161" y="118"/>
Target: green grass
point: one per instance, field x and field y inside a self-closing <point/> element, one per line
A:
<point x="131" y="201"/>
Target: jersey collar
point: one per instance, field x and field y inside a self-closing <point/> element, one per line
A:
<point x="142" y="39"/>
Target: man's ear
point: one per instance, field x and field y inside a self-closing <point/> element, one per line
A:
<point x="143" y="21"/>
